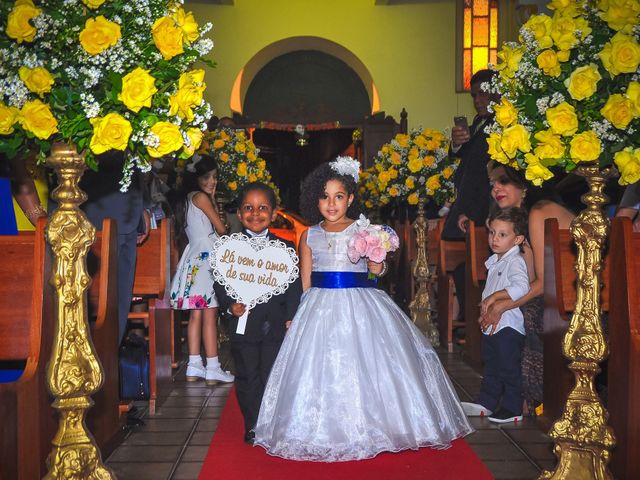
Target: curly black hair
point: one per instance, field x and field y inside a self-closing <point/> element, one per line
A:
<point x="313" y="190"/>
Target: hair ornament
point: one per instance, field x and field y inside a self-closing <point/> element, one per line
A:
<point x="191" y="166"/>
<point x="346" y="166"/>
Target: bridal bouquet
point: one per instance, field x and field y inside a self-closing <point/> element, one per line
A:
<point x="372" y="242"/>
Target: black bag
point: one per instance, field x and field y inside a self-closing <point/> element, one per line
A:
<point x="134" y="369"/>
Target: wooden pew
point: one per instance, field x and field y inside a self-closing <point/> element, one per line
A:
<point x="152" y="283"/>
<point x="477" y="252"/>
<point x="103" y="419"/>
<point x="624" y="360"/>
<point x="559" y="304"/>
<point x="451" y="254"/>
<point x="28" y="421"/>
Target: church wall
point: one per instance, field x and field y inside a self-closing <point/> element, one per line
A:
<point x="409" y="49"/>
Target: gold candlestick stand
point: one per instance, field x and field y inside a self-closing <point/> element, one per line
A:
<point x="583" y="439"/>
<point x="74" y="372"/>
<point x="420" y="306"/>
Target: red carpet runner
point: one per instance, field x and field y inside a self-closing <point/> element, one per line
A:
<point x="229" y="458"/>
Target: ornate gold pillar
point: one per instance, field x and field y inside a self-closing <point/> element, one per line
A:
<point x="74" y="372"/>
<point x="420" y="306"/>
<point x="583" y="439"/>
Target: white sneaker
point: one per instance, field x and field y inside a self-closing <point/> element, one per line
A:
<point x="195" y="372"/>
<point x="475" y="410"/>
<point x="216" y="374"/>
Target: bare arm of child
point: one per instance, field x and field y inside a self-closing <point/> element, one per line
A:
<point x="306" y="261"/>
<point x="204" y="203"/>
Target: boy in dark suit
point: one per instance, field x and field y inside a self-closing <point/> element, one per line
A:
<point x="255" y="351"/>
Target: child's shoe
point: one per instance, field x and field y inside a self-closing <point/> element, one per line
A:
<point x="216" y="374"/>
<point x="504" y="416"/>
<point x="195" y="372"/>
<point x="475" y="410"/>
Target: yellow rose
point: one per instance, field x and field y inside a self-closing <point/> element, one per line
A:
<point x="224" y="157"/>
<point x="633" y="94"/>
<point x="549" y="63"/>
<point x="8" y="118"/>
<point x="99" y="34"/>
<point x="628" y="162"/>
<point x="413" y="199"/>
<point x="583" y="82"/>
<point x="393" y="191"/>
<point x="183" y="101"/>
<point x="495" y="150"/>
<point x="563" y="29"/>
<point x="93" y="4"/>
<point x="393" y="173"/>
<point x="396" y="159"/>
<point x="506" y="113"/>
<point x="433" y="183"/>
<point x="110" y="132"/>
<point x="619" y="14"/>
<point x="562" y="119"/>
<point x="429" y="161"/>
<point x="585" y="147"/>
<point x="410" y="183"/>
<point x="415" y="165"/>
<point x="241" y="169"/>
<point x="168" y="37"/>
<point x="218" y="143"/>
<point x="170" y="139"/>
<point x="403" y="140"/>
<point x="447" y="172"/>
<point x="240" y="147"/>
<point x="262" y="164"/>
<point x="621" y="54"/>
<point x="187" y="23"/>
<point x="618" y="110"/>
<point x="549" y="145"/>
<point x="510" y="57"/>
<point x="540" y="27"/>
<point x="138" y="88"/>
<point x="193" y="78"/>
<point x="535" y="172"/>
<point x="513" y="139"/>
<point x="38" y="80"/>
<point x="563" y="55"/>
<point x="564" y="7"/>
<point x="19" y="21"/>
<point x="233" y="186"/>
<point x="251" y="155"/>
<point x="195" y="136"/>
<point x="36" y="117"/>
<point x="368" y="204"/>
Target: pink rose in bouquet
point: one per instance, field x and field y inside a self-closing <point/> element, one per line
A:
<point x="372" y="242"/>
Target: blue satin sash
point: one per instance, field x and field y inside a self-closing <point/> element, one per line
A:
<point x="342" y="280"/>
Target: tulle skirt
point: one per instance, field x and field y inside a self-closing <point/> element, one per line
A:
<point x="354" y="378"/>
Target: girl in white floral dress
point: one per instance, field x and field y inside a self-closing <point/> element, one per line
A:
<point x="192" y="287"/>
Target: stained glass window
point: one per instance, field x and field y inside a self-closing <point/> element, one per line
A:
<point x="477" y="38"/>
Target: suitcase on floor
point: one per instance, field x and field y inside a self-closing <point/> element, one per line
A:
<point x="134" y="369"/>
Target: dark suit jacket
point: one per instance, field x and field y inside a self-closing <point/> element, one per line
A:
<point x="472" y="184"/>
<point x="266" y="321"/>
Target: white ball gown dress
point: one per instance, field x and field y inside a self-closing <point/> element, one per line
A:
<point x="354" y="376"/>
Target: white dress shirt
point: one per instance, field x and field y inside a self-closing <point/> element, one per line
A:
<point x="508" y="273"/>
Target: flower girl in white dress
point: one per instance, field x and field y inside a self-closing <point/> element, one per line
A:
<point x="354" y="376"/>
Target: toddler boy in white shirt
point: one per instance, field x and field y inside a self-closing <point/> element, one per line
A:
<point x="502" y="348"/>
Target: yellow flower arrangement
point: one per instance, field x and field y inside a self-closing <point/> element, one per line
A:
<point x="570" y="91"/>
<point x="238" y="160"/>
<point x="102" y="75"/>
<point x="410" y="168"/>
